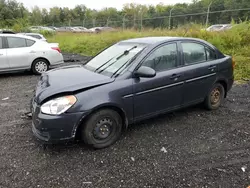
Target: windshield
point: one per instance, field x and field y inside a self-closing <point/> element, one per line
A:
<point x="115" y="59"/>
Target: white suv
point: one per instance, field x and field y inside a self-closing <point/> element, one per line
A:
<point x="19" y="52"/>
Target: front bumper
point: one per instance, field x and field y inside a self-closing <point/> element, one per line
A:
<point x="54" y="129"/>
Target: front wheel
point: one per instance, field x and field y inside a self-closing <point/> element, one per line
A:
<point x="215" y="97"/>
<point x="102" y="129"/>
<point x="39" y="66"/>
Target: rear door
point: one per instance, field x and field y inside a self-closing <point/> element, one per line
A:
<point x="3" y="57"/>
<point x="19" y="52"/>
<point x="200" y="65"/>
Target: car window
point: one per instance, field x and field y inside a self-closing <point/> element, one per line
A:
<point x="163" y="58"/>
<point x="36" y="36"/>
<point x="29" y="42"/>
<point x="193" y="53"/>
<point x="15" y="42"/>
<point x="211" y="55"/>
<point x="1" y="43"/>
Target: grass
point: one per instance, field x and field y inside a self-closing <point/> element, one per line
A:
<point x="235" y="42"/>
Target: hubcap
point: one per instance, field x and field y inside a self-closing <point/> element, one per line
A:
<point x="41" y="67"/>
<point x="215" y="96"/>
<point x="103" y="129"/>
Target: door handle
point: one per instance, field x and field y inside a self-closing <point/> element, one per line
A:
<point x="175" y="76"/>
<point x="32" y="51"/>
<point x="1" y="54"/>
<point x="211" y="67"/>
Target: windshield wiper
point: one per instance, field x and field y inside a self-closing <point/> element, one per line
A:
<point x="103" y="65"/>
<point x="126" y="52"/>
<point x="127" y="63"/>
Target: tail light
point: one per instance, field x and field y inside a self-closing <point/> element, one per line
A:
<point x="233" y="62"/>
<point x="57" y="49"/>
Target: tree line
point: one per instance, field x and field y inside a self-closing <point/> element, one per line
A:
<point x="131" y="15"/>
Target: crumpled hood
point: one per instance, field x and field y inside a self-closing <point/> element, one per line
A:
<point x="67" y="79"/>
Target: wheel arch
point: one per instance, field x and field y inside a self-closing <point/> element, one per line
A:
<point x="42" y="58"/>
<point x="112" y="106"/>
<point x="224" y="84"/>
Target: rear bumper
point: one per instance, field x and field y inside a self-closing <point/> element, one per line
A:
<point x="55" y="64"/>
<point x="230" y="84"/>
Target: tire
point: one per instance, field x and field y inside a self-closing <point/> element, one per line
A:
<point x="40" y="66"/>
<point x="102" y="129"/>
<point x="215" y="97"/>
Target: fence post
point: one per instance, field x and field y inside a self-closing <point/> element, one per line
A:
<point x="107" y="24"/>
<point x="134" y="20"/>
<point x="83" y="21"/>
<point x="170" y="15"/>
<point x="141" y="20"/>
<point x="93" y="21"/>
<point x="123" y="22"/>
<point x="208" y="11"/>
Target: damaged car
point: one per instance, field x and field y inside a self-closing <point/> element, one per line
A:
<point x="128" y="82"/>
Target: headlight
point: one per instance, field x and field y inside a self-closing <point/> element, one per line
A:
<point x="59" y="105"/>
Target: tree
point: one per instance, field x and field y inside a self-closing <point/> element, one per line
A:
<point x="36" y="16"/>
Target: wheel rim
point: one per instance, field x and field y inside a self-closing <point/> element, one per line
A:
<point x="104" y="129"/>
<point x="41" y="66"/>
<point x="215" y="96"/>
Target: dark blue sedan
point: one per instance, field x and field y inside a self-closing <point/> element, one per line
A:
<point x="128" y="82"/>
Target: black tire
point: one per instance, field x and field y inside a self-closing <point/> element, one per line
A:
<point x="44" y="66"/>
<point x="102" y="129"/>
<point x="215" y="97"/>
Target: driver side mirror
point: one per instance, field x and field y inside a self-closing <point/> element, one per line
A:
<point x="145" y="72"/>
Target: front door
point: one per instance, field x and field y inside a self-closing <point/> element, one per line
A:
<point x="3" y="57"/>
<point x="18" y="53"/>
<point x="200" y="71"/>
<point x="163" y="92"/>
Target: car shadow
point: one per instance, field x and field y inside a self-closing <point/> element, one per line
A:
<point x="164" y="118"/>
<point x="17" y="74"/>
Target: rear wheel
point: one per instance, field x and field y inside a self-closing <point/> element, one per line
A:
<point x="40" y="66"/>
<point x="215" y="97"/>
<point x="102" y="129"/>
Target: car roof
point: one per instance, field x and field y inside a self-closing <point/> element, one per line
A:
<point x="154" y="40"/>
<point x="19" y="35"/>
<point x="33" y="34"/>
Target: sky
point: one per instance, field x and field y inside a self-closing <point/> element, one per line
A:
<point x="95" y="4"/>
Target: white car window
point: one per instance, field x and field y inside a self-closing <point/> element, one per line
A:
<point x="29" y="42"/>
<point x="15" y="42"/>
<point x="36" y="36"/>
<point x="1" y="43"/>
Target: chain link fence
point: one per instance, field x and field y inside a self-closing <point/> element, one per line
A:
<point x="172" y="20"/>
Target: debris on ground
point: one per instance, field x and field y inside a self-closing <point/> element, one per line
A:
<point x="163" y="149"/>
<point x="193" y="160"/>
<point x="244" y="168"/>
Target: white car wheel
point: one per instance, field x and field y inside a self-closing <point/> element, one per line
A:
<point x="40" y="66"/>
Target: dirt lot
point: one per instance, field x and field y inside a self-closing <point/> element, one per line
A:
<point x="190" y="148"/>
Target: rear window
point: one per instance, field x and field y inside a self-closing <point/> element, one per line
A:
<point x="35" y="36"/>
<point x="193" y="52"/>
<point x="29" y="42"/>
<point x="15" y="42"/>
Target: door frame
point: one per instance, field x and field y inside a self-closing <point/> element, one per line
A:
<point x="178" y="83"/>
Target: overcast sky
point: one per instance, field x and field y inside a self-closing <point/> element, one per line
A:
<point x="94" y="4"/>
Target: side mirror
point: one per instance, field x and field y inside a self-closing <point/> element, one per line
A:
<point x="145" y="72"/>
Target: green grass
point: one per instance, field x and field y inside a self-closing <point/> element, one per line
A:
<point x="235" y="42"/>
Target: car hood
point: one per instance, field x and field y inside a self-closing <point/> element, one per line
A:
<point x="68" y="79"/>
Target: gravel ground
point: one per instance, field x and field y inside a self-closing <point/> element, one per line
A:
<point x="188" y="148"/>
